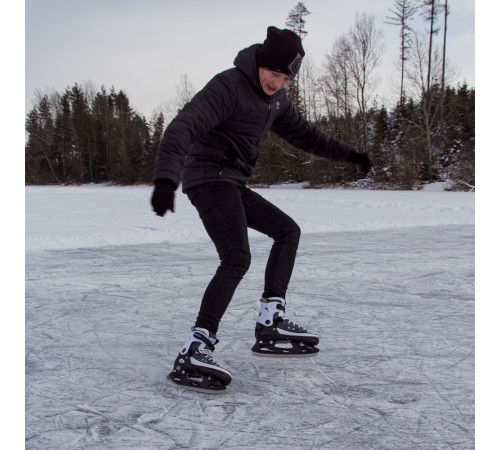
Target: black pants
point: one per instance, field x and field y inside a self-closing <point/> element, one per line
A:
<point x="227" y="211"/>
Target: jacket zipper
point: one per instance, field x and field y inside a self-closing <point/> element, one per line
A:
<point x="267" y="121"/>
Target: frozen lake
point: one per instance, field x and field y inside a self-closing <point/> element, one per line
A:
<point x="385" y="278"/>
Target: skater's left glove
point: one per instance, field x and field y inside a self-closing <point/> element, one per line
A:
<point x="162" y="199"/>
<point x="362" y="160"/>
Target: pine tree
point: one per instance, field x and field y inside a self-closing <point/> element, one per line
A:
<point x="296" y="23"/>
<point x="158" y="129"/>
<point x="122" y="116"/>
<point x="32" y="154"/>
<point x="462" y="170"/>
<point x="140" y="150"/>
<point x="378" y="125"/>
<point x="295" y="20"/>
<point x="39" y="149"/>
<point x="296" y="160"/>
<point x="64" y="139"/>
<point x="101" y="129"/>
<point x="82" y="124"/>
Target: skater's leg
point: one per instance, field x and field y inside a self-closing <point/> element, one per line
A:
<point x="275" y="334"/>
<point x="221" y="211"/>
<point x="268" y="219"/>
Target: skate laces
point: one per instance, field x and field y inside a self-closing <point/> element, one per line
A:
<point x="292" y="326"/>
<point x="287" y="323"/>
<point x="279" y="312"/>
<point x="208" y="356"/>
<point x="207" y="352"/>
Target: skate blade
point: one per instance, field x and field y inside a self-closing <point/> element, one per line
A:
<point x="201" y="390"/>
<point x="218" y="391"/>
<point x="283" y="349"/>
<point x="285" y="355"/>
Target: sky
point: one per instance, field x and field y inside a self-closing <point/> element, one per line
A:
<point x="144" y="46"/>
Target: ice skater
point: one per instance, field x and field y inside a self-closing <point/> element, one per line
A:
<point x="212" y="146"/>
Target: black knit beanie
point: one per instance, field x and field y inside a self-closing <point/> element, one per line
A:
<point x="282" y="51"/>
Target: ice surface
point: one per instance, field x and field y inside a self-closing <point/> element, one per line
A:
<point x="385" y="278"/>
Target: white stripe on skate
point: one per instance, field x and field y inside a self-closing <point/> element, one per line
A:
<point x="197" y="363"/>
<point x="291" y="333"/>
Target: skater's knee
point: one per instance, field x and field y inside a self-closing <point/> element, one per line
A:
<point x="237" y="260"/>
<point x="295" y="232"/>
<point x="290" y="232"/>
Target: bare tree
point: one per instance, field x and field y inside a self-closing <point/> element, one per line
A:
<point x="443" y="72"/>
<point x="89" y="90"/>
<point x="170" y="108"/>
<point x="431" y="9"/>
<point x="185" y="91"/>
<point x="364" y="55"/>
<point x="402" y="14"/>
<point x="336" y="80"/>
<point x="419" y="77"/>
<point x="309" y="88"/>
<point x="446" y="14"/>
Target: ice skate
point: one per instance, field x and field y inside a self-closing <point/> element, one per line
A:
<point x="278" y="336"/>
<point x="195" y="367"/>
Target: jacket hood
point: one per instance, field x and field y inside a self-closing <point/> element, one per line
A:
<point x="246" y="62"/>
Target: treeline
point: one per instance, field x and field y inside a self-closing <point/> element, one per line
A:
<point x="80" y="138"/>
<point x="83" y="136"/>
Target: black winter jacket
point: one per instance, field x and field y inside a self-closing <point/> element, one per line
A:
<point x="219" y="134"/>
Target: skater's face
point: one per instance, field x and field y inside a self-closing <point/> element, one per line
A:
<point x="272" y="81"/>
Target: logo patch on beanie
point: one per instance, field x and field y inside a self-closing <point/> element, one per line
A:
<point x="294" y="66"/>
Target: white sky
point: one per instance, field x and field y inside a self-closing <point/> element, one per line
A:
<point x="144" y="46"/>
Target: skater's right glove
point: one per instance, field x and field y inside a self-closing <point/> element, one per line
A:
<point x="162" y="199"/>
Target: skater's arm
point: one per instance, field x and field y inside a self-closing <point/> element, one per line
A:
<point x="208" y="109"/>
<point x="297" y="131"/>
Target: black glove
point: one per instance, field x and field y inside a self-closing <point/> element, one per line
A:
<point x="362" y="160"/>
<point x="162" y="199"/>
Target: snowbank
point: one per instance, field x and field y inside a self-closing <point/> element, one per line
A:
<point x="65" y="217"/>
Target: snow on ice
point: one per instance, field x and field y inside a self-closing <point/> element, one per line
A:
<point x="385" y="278"/>
<point x="89" y="216"/>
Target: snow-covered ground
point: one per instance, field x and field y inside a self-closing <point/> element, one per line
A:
<point x="88" y="216"/>
<point x="385" y="278"/>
